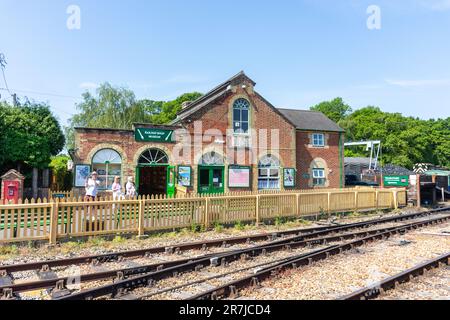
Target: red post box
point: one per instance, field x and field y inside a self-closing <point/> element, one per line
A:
<point x="12" y="187"/>
<point x="11" y="192"/>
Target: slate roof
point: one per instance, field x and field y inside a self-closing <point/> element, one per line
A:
<point x="310" y="120"/>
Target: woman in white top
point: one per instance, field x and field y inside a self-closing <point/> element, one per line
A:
<point x="116" y="188"/>
<point x="91" y="186"/>
<point x="131" y="188"/>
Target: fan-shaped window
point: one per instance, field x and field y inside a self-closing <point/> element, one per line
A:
<point x="108" y="164"/>
<point x="269" y="172"/>
<point x="241" y="109"/>
<point x="212" y="159"/>
<point x="153" y="156"/>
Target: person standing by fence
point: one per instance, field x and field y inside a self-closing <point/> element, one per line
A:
<point x="131" y="188"/>
<point x="117" y="189"/>
<point x="91" y="186"/>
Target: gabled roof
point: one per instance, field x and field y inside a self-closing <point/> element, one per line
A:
<point x="14" y="173"/>
<point x="211" y="96"/>
<point x="310" y="120"/>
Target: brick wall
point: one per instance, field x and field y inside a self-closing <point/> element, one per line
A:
<point x="293" y="151"/>
<point x="329" y="154"/>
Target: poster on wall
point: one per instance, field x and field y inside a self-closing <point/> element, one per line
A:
<point x="289" y="177"/>
<point x="184" y="176"/>
<point x="239" y="177"/>
<point x="82" y="172"/>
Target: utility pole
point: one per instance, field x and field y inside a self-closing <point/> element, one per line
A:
<point x="3" y="64"/>
<point x="14" y="96"/>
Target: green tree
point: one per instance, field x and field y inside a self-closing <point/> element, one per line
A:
<point x="405" y="140"/>
<point x="63" y="177"/>
<point x="30" y="134"/>
<point x="117" y="108"/>
<point x="335" y="109"/>
<point x="170" y="109"/>
<point x="111" y="107"/>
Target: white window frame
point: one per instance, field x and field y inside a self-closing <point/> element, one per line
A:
<point x="267" y="181"/>
<point x="107" y="159"/>
<point x="238" y="130"/>
<point x="319" y="177"/>
<point x="318" y="140"/>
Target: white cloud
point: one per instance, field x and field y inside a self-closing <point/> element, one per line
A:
<point x="89" y="85"/>
<point x="419" y="83"/>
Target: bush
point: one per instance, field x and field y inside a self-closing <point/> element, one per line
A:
<point x="239" y="226"/>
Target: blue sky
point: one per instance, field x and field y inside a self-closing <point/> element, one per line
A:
<point x="299" y="52"/>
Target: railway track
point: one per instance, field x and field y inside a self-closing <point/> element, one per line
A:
<point x="231" y="289"/>
<point x="122" y="288"/>
<point x="302" y="238"/>
<point x="391" y="283"/>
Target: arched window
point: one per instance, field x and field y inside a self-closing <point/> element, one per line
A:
<point x="269" y="173"/>
<point x="318" y="172"/>
<point x="153" y="157"/>
<point x="241" y="110"/>
<point x="108" y="164"/>
<point x="211" y="159"/>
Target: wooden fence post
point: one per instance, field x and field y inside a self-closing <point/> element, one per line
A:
<point x="206" y="213"/>
<point x="356" y="200"/>
<point x="53" y="222"/>
<point x="376" y="199"/>
<point x="329" y="203"/>
<point x="257" y="211"/>
<point x="297" y="204"/>
<point x="395" y="198"/>
<point x="141" y="232"/>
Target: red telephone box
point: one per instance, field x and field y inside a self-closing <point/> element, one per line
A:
<point x="11" y="192"/>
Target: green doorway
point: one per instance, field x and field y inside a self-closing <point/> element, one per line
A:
<point x="154" y="175"/>
<point x="152" y="180"/>
<point x="211" y="179"/>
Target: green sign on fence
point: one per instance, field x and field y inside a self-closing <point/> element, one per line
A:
<point x="153" y="135"/>
<point x="396" y="181"/>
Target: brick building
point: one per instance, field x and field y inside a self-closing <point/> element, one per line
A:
<point x="230" y="139"/>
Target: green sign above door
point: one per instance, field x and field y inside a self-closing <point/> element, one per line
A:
<point x="153" y="135"/>
<point x="396" y="181"/>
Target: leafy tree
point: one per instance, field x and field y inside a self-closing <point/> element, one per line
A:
<point x="117" y="108"/>
<point x="336" y="109"/>
<point x="111" y="107"/>
<point x="30" y="134"/>
<point x="63" y="177"/>
<point x="170" y="109"/>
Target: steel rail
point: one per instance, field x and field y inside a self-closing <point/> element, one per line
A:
<point x="216" y="277"/>
<point x="371" y="292"/>
<point x="117" y="256"/>
<point x="122" y="273"/>
<point x="127" y="272"/>
<point x="122" y="286"/>
<point x="231" y="289"/>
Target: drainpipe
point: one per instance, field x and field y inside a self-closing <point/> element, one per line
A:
<point x="341" y="164"/>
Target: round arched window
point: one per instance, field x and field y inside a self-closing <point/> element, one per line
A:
<point x="269" y="172"/>
<point x="153" y="156"/>
<point x="241" y="110"/>
<point x="108" y="164"/>
<point x="211" y="159"/>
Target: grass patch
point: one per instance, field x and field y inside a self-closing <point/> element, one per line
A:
<point x="9" y="250"/>
<point x="218" y="227"/>
<point x="239" y="226"/>
<point x="119" y="239"/>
